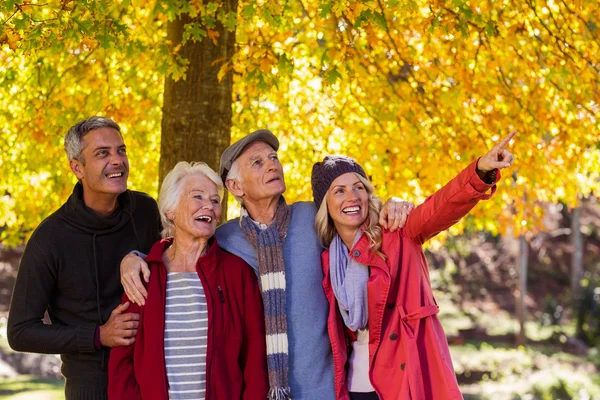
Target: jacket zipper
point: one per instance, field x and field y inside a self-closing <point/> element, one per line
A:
<point x="211" y="332"/>
<point x="163" y="272"/>
<point x="221" y="293"/>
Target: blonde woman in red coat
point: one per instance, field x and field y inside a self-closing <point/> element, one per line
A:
<point x="377" y="281"/>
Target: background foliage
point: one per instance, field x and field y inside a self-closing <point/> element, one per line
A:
<point x="413" y="89"/>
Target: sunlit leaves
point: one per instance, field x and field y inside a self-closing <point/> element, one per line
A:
<point x="415" y="90"/>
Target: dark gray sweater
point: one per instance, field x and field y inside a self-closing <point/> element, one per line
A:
<point x="70" y="267"/>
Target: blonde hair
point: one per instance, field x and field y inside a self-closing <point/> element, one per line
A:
<point x="326" y="228"/>
<point x="172" y="186"/>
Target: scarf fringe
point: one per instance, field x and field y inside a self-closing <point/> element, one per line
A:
<point x="280" y="393"/>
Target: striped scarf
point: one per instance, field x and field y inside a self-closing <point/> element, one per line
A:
<point x="269" y="248"/>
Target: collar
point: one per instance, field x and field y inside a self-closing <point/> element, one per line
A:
<point x="362" y="253"/>
<point x="208" y="261"/>
<point x="259" y="225"/>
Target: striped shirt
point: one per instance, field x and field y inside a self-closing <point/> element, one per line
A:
<point x="186" y="327"/>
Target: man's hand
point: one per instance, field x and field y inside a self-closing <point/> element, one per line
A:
<point x="121" y="327"/>
<point x="394" y="213"/>
<point x="131" y="267"/>
<point x="498" y="157"/>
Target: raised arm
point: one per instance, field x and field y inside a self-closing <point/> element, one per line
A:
<point x="458" y="197"/>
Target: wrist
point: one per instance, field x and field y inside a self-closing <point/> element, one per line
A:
<point x="97" y="341"/>
<point x="100" y="332"/>
<point x="481" y="173"/>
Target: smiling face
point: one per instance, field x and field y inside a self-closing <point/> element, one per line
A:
<point x="260" y="174"/>
<point x="102" y="167"/>
<point x="347" y="204"/>
<point x="198" y="208"/>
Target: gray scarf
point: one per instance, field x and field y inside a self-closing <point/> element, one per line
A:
<point x="271" y="270"/>
<point x="349" y="282"/>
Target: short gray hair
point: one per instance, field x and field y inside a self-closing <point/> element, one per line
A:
<point x="172" y="186"/>
<point x="74" y="137"/>
<point x="234" y="173"/>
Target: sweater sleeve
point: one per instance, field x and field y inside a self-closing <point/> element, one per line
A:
<point x="253" y="361"/>
<point x="448" y="205"/>
<point x="36" y="281"/>
<point x="121" y="376"/>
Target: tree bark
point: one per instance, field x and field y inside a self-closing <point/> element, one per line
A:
<point x="196" y="114"/>
<point x="521" y="304"/>
<point x="576" y="256"/>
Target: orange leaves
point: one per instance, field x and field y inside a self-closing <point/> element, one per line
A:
<point x="213" y="35"/>
<point x="11" y="38"/>
<point x="88" y="42"/>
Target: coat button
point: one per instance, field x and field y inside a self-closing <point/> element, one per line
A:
<point x="402" y="366"/>
<point x="394" y="336"/>
<point x="356" y="253"/>
<point x="391" y="305"/>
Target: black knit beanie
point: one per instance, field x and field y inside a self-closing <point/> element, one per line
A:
<point x="325" y="172"/>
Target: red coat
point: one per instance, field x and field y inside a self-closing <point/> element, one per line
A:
<point x="236" y="363"/>
<point x="409" y="356"/>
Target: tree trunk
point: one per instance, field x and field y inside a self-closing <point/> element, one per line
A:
<point x="196" y="119"/>
<point x="521" y="306"/>
<point x="576" y="256"/>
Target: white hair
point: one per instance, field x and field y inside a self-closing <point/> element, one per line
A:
<point x="172" y="186"/>
<point x="234" y="173"/>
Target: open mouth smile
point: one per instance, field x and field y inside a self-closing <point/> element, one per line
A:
<point x="204" y="218"/>
<point x="351" y="210"/>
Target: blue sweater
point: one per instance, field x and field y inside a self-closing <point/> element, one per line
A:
<point x="310" y="358"/>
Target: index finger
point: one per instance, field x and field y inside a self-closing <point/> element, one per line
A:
<point x="383" y="217"/>
<point x="502" y="144"/>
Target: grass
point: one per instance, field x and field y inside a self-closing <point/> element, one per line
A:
<point x="27" y="387"/>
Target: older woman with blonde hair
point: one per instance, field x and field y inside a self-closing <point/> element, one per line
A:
<point x="201" y="332"/>
<point x="377" y="281"/>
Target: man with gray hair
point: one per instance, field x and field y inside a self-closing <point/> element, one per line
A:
<point x="280" y="243"/>
<point x="70" y="266"/>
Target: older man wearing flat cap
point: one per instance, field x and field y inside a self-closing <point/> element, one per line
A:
<point x="280" y="243"/>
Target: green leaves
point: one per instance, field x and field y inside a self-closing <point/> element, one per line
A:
<point x="332" y="75"/>
<point x="285" y="65"/>
<point x="193" y="31"/>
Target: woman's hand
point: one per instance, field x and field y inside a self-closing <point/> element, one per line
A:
<point x="498" y="157"/>
<point x="131" y="267"/>
<point x="394" y="213"/>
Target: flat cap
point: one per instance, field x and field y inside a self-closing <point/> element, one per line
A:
<point x="232" y="152"/>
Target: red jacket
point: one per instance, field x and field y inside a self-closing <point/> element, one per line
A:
<point x="409" y="356"/>
<point x="236" y="364"/>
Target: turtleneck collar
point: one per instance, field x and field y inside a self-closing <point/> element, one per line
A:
<point x="81" y="217"/>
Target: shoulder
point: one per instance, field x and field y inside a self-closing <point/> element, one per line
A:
<point x="231" y="260"/>
<point x="233" y="225"/>
<point x="143" y="200"/>
<point x="48" y="231"/>
<point x="235" y="264"/>
<point x="307" y="208"/>
<point x="229" y="232"/>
